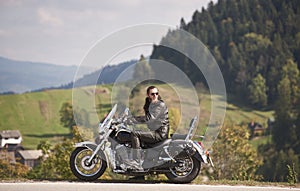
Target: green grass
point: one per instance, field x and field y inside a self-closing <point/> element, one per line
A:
<point x="36" y="115"/>
<point x="255" y="142"/>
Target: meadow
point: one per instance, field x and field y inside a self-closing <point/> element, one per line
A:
<point x="37" y="116"/>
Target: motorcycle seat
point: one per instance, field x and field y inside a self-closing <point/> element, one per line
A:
<point x="178" y="136"/>
<point x="159" y="144"/>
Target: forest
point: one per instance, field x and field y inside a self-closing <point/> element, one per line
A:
<point x="257" y="47"/>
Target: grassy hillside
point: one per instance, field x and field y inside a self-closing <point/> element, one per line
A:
<point x="36" y="115"/>
<point x="236" y="112"/>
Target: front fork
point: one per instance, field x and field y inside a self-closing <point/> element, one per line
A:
<point x="100" y="145"/>
<point x="98" y="148"/>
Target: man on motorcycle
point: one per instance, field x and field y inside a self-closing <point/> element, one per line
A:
<point x="157" y="120"/>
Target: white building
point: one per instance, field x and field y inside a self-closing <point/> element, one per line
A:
<point x="10" y="137"/>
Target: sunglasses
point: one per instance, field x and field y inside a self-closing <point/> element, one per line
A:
<point x="154" y="94"/>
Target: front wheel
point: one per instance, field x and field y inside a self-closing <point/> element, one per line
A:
<point x="186" y="171"/>
<point x="82" y="169"/>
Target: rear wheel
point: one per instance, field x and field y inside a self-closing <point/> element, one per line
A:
<point x="82" y="169"/>
<point x="186" y="171"/>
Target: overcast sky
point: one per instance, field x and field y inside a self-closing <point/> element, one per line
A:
<point x="61" y="32"/>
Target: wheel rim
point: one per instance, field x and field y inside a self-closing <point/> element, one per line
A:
<point x="82" y="166"/>
<point x="184" y="169"/>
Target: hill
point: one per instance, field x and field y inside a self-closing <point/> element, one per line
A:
<point x="256" y="44"/>
<point x="106" y="75"/>
<point x="252" y="41"/>
<point x="21" y="76"/>
<point x="36" y="114"/>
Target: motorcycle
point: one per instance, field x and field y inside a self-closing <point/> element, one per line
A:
<point x="178" y="157"/>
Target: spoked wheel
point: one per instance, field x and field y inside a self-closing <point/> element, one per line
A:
<point x="186" y="171"/>
<point x="84" y="170"/>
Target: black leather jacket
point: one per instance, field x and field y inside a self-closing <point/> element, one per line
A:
<point x="156" y="118"/>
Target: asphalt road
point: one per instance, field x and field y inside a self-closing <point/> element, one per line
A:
<point x="81" y="186"/>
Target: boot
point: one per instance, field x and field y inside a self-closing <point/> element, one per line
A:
<point x="136" y="166"/>
<point x="132" y="164"/>
<point x="127" y="163"/>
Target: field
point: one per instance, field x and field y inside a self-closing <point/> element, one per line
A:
<point x="37" y="117"/>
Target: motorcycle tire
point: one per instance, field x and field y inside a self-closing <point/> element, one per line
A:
<point x="186" y="172"/>
<point x="84" y="171"/>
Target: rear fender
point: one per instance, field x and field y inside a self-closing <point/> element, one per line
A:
<point x="200" y="153"/>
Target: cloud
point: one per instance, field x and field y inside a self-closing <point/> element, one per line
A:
<point x="48" y="18"/>
<point x="58" y="31"/>
<point x="4" y="33"/>
<point x="11" y="3"/>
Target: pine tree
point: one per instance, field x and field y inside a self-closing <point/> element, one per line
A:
<point x="258" y="91"/>
<point x="290" y="70"/>
<point x="283" y="115"/>
<point x="182" y="24"/>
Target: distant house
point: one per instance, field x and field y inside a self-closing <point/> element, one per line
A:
<point x="256" y="129"/>
<point x="29" y="158"/>
<point x="10" y="137"/>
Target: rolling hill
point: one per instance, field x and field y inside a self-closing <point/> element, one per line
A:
<point x="22" y="76"/>
<point x="36" y="114"/>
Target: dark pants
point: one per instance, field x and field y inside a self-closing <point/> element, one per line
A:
<point x="150" y="137"/>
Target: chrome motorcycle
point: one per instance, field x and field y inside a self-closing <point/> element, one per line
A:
<point x="179" y="158"/>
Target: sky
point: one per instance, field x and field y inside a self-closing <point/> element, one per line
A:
<point x="62" y="32"/>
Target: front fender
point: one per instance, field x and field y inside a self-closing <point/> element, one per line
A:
<point x="90" y="145"/>
<point x="93" y="146"/>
